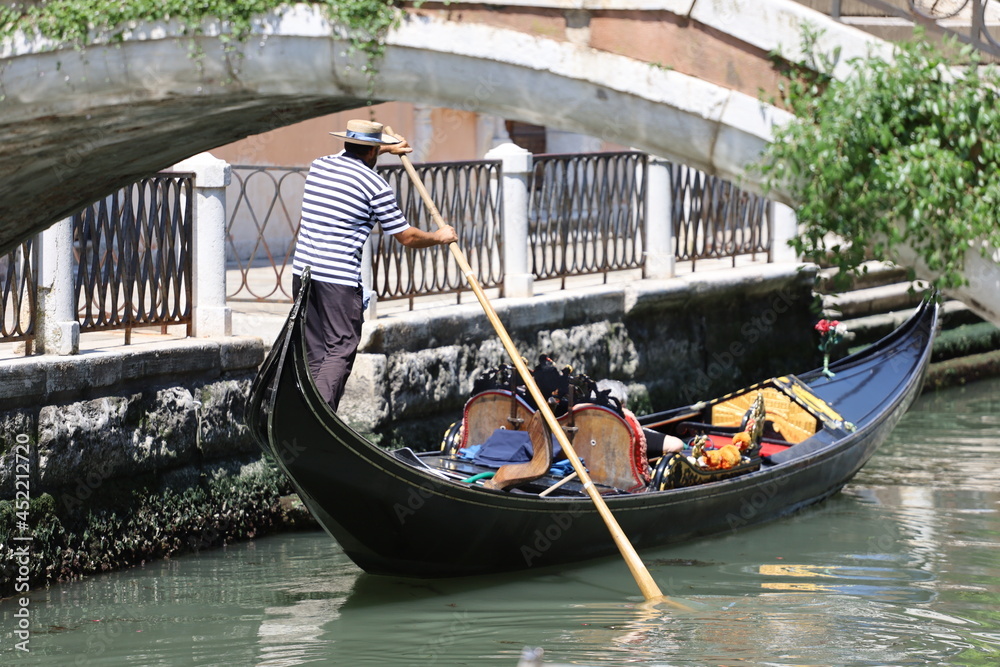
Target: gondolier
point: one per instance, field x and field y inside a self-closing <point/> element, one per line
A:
<point x="343" y="200"/>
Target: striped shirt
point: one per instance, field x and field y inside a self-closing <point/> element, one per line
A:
<point x="343" y="200"/>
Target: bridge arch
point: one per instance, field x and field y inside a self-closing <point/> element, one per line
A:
<point x="77" y="124"/>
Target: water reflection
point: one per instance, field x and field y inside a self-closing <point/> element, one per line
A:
<point x="902" y="568"/>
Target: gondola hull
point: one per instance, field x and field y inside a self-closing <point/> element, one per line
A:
<point x="391" y="517"/>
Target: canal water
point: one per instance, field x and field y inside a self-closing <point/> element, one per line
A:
<point x="901" y="568"/>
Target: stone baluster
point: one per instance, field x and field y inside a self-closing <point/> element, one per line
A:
<point x="517" y="166"/>
<point x="57" y="328"/>
<point x="660" y="258"/>
<point x="784" y="227"/>
<point x="212" y="317"/>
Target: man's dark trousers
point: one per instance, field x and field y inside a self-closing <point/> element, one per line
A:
<point x="334" y="315"/>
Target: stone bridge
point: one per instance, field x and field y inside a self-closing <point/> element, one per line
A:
<point x="677" y="78"/>
<point x="683" y="79"/>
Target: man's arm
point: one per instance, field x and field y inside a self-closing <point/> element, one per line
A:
<point x="413" y="237"/>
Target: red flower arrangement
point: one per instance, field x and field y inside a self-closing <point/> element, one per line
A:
<point x="831" y="332"/>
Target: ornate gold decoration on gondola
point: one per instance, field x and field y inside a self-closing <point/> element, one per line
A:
<point x="703" y="463"/>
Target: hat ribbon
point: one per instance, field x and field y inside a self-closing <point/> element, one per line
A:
<point x="370" y="136"/>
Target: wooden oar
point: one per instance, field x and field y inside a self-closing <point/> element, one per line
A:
<point x="565" y="480"/>
<point x="642" y="577"/>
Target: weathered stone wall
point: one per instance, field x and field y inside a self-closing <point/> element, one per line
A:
<point x="125" y="412"/>
<point x="112" y="458"/>
<point x="672" y="342"/>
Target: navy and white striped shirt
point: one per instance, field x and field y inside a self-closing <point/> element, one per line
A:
<point x="343" y="200"/>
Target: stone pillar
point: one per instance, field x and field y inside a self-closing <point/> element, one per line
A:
<point x="784" y="226"/>
<point x="517" y="165"/>
<point x="491" y="132"/>
<point x="58" y="329"/>
<point x="660" y="256"/>
<point x="423" y="133"/>
<point x="212" y="317"/>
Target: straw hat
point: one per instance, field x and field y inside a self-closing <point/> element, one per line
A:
<point x="366" y="132"/>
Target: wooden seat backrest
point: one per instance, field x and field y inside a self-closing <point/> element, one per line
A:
<point x="490" y="410"/>
<point x="612" y="450"/>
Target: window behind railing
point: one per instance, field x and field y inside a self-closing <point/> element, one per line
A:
<point x="133" y="256"/>
<point x="586" y="213"/>
<point x="18" y="295"/>
<point x="714" y="219"/>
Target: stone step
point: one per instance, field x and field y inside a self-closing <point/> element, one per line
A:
<point x="973" y="335"/>
<point x="874" y="274"/>
<point x="871" y="301"/>
<point x="966" y="340"/>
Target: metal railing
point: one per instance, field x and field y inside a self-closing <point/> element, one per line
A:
<point x="264" y="220"/>
<point x="714" y="219"/>
<point x="133" y="254"/>
<point x="264" y="207"/>
<point x="18" y="295"/>
<point x="585" y="214"/>
<point x="466" y="197"/>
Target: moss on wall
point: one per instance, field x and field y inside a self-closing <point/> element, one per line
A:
<point x="123" y="522"/>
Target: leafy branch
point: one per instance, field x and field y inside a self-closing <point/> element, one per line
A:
<point x="905" y="151"/>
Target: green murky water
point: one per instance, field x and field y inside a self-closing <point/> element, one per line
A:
<point x="902" y="568"/>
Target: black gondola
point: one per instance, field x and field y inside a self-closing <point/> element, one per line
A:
<point x="409" y="514"/>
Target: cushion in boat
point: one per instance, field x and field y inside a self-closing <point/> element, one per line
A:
<point x="503" y="447"/>
<point x="766" y="448"/>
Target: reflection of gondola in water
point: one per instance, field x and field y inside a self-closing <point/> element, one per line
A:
<point x="419" y="515"/>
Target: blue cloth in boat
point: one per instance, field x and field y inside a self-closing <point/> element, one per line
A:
<point x="503" y="447"/>
<point x="561" y="468"/>
<point x="469" y="453"/>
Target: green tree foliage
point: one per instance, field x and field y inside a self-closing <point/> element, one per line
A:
<point x="901" y="151"/>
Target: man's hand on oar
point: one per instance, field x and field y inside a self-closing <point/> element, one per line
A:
<point x="446" y="235"/>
